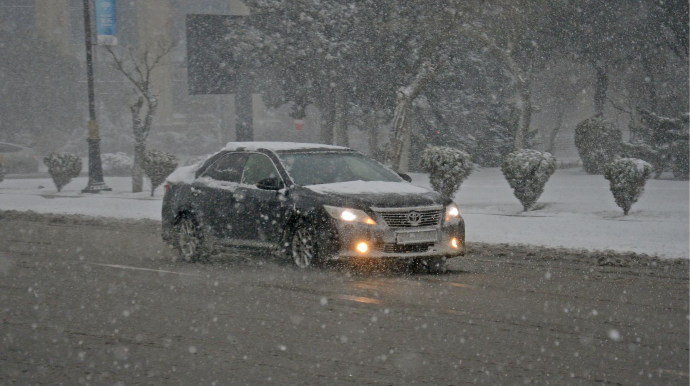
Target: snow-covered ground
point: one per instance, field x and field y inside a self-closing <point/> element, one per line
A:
<point x="40" y="195"/>
<point x="576" y="210"/>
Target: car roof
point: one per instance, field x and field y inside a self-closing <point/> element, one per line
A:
<point x="280" y="146"/>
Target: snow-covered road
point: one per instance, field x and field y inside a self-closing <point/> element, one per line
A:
<point x="576" y="210"/>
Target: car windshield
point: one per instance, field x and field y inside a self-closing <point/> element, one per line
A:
<point x="325" y="168"/>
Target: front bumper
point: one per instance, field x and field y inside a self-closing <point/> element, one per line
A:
<point x="382" y="241"/>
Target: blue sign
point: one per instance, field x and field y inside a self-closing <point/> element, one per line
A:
<point x="106" y="22"/>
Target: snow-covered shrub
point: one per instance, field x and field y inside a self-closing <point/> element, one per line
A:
<point x="117" y="164"/>
<point x="158" y="165"/>
<point x="627" y="177"/>
<point x="598" y="142"/>
<point x="447" y="168"/>
<point x="62" y="167"/>
<point x="527" y="172"/>
<point x="641" y="150"/>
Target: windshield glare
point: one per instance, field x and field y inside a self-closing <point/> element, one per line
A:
<point x="326" y="168"/>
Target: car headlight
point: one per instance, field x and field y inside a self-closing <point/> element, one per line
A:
<point x="452" y="212"/>
<point x="349" y="215"/>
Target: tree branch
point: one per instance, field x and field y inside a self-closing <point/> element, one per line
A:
<point x="135" y="63"/>
<point x="120" y="66"/>
<point x="619" y="108"/>
<point x="138" y="67"/>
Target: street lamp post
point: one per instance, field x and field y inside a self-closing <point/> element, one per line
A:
<point x="95" y="184"/>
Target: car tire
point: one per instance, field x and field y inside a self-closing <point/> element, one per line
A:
<point x="436" y="265"/>
<point x="190" y="241"/>
<point x="302" y="246"/>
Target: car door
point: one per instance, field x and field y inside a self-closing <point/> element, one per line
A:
<point x="215" y="191"/>
<point x="263" y="210"/>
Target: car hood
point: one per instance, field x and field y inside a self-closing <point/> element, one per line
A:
<point x="377" y="194"/>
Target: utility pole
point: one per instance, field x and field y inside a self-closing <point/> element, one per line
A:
<point x="95" y="184"/>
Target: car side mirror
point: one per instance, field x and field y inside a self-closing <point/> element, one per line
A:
<point x="405" y="177"/>
<point x="270" y="184"/>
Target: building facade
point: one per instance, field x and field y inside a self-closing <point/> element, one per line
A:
<point x="184" y="124"/>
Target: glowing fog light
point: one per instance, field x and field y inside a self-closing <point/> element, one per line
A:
<point x="454" y="243"/>
<point x="362" y="247"/>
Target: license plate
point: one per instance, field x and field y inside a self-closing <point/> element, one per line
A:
<point x="417" y="237"/>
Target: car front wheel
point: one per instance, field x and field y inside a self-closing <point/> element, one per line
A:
<point x="436" y="265"/>
<point x="303" y="246"/>
<point x="432" y="265"/>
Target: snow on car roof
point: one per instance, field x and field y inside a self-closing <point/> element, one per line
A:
<point x="279" y="146"/>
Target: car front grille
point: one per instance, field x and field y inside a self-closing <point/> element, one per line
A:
<point x="405" y="248"/>
<point x="412" y="218"/>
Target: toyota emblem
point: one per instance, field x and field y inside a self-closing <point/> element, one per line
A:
<point x="414" y="218"/>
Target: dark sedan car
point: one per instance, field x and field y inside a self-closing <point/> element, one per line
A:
<point x="311" y="202"/>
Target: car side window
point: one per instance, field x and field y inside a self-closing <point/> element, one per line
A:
<point x="228" y="168"/>
<point x="257" y="168"/>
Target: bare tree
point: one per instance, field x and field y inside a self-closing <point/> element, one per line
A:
<point x="426" y="72"/>
<point x="519" y="34"/>
<point x="558" y="87"/>
<point x="137" y="65"/>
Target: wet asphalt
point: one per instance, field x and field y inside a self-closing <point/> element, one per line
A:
<point x="106" y="303"/>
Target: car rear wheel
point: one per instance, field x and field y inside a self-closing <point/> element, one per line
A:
<point x="189" y="240"/>
<point x="303" y="246"/>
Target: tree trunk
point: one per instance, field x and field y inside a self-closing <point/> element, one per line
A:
<point x="328" y="120"/>
<point x="405" y="96"/>
<point x="650" y="84"/>
<point x="141" y="134"/>
<point x="244" y="112"/>
<point x="554" y="133"/>
<point x="404" y="163"/>
<point x="137" y="171"/>
<point x="373" y="137"/>
<point x="341" y="119"/>
<point x="600" y="89"/>
<point x="525" y="95"/>
<point x="398" y="131"/>
<point x="139" y="146"/>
